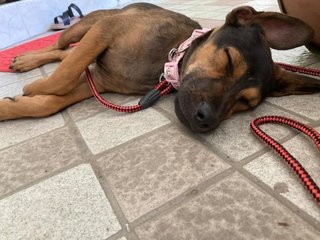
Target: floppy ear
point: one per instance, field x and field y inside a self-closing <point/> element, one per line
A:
<point x="290" y="83"/>
<point x="281" y="31"/>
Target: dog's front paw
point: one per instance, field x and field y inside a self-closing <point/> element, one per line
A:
<point x="24" y="63"/>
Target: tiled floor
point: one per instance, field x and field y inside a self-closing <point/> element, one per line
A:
<point x="90" y="173"/>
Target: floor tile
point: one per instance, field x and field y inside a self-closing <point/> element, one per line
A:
<point x="15" y="131"/>
<point x="7" y="78"/>
<point x="299" y="56"/>
<point x="263" y="5"/>
<point x="232" y="209"/>
<point x="36" y="158"/>
<point x="306" y="105"/>
<point x="154" y="170"/>
<point x="235" y="138"/>
<point x="231" y="3"/>
<point x="315" y="65"/>
<point x="69" y="206"/>
<point x="11" y="84"/>
<point x="208" y="23"/>
<point x="167" y="103"/>
<point x="271" y="169"/>
<point x="92" y="107"/>
<point x="277" y="131"/>
<point x="15" y="88"/>
<point x="109" y="129"/>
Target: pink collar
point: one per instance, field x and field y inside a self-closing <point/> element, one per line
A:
<point x="171" y="69"/>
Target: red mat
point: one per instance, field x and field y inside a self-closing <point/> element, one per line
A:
<point x="7" y="55"/>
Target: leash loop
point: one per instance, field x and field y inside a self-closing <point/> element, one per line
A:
<point x="305" y="178"/>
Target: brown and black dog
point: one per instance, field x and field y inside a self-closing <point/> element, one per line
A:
<point x="227" y="70"/>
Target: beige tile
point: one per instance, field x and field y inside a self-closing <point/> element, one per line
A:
<point x="234" y="138"/>
<point x="306" y="105"/>
<point x="300" y="56"/>
<point x="275" y="130"/>
<point x="149" y="172"/>
<point x="15" y="131"/>
<point x="7" y="78"/>
<point x="271" y="169"/>
<point x="15" y="88"/>
<point x="315" y="65"/>
<point x="209" y="23"/>
<point x="90" y="107"/>
<point x="36" y="158"/>
<point x="167" y="103"/>
<point x="69" y="206"/>
<point x="232" y="209"/>
<point x="229" y="3"/>
<point x="109" y="129"/>
<point x="263" y="2"/>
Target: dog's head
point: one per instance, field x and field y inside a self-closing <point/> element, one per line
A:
<point x="230" y="69"/>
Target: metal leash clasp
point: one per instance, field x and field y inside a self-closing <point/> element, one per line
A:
<point x="161" y="78"/>
<point x="172" y="54"/>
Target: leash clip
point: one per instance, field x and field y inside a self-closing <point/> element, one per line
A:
<point x="161" y="78"/>
<point x="172" y="54"/>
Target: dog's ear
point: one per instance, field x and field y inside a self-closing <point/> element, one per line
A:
<point x="290" y="83"/>
<point x="281" y="31"/>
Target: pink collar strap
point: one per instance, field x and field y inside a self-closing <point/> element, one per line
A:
<point x="171" y="69"/>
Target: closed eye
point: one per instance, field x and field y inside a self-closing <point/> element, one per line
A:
<point x="244" y="101"/>
<point x="229" y="68"/>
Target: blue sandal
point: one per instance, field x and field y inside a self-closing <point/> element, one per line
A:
<point x="67" y="18"/>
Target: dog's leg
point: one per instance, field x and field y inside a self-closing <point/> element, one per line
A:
<point x="42" y="105"/>
<point x="66" y="76"/>
<point x="30" y="60"/>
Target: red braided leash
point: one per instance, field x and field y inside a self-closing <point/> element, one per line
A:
<point x="306" y="179"/>
<point x="151" y="97"/>
<point x="304" y="70"/>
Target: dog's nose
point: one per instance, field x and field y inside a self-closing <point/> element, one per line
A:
<point x="205" y="118"/>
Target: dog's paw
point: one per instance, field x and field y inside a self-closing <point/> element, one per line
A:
<point x="24" y="63"/>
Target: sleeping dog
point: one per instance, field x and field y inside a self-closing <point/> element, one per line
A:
<point x="224" y="71"/>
